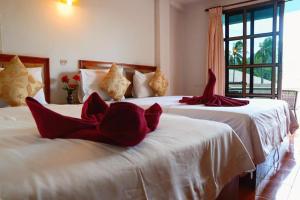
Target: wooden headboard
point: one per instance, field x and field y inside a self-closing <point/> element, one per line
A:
<point x="31" y="62"/>
<point x="89" y="64"/>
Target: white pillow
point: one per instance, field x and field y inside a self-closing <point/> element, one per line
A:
<point x="37" y="73"/>
<point x="141" y="86"/>
<point x="90" y="82"/>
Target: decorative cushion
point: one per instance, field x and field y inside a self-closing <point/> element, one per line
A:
<point x="114" y="83"/>
<point x="36" y="73"/>
<point x="14" y="82"/>
<point x="159" y="83"/>
<point x="141" y="84"/>
<point x="90" y="82"/>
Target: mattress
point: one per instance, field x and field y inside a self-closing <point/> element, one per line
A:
<point x="261" y="125"/>
<point x="183" y="159"/>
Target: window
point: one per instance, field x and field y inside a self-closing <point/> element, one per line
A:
<point x="253" y="50"/>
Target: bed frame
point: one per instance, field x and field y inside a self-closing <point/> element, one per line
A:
<point x="31" y="62"/>
<point x="271" y="164"/>
<point x="90" y="64"/>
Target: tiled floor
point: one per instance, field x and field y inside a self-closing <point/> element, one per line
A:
<point x="283" y="183"/>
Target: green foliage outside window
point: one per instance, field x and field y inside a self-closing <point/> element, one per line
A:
<point x="262" y="56"/>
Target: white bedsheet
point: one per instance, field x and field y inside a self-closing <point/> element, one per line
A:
<point x="261" y="125"/>
<point x="183" y="159"/>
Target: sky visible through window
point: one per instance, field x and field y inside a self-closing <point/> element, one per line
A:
<point x="291" y="46"/>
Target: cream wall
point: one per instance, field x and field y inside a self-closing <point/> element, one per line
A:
<point x="177" y="43"/>
<point x="111" y="30"/>
<point x="196" y="25"/>
<point x="162" y="38"/>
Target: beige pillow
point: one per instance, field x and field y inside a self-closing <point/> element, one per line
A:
<point x="159" y="83"/>
<point x="114" y="83"/>
<point x="14" y="82"/>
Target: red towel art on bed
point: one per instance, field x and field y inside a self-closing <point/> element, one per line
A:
<point x="210" y="99"/>
<point x="122" y="124"/>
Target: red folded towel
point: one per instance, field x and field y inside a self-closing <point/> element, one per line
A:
<point x="210" y="99"/>
<point x="123" y="124"/>
<point x="152" y="116"/>
<point x="94" y="108"/>
<point x="53" y="125"/>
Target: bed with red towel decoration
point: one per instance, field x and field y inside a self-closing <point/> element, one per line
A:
<point x="79" y="152"/>
<point x="114" y="151"/>
<point x="261" y="124"/>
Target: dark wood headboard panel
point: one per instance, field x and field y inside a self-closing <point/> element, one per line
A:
<point x="29" y="62"/>
<point x="89" y="64"/>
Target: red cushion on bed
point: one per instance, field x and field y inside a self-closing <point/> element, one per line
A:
<point x="209" y="99"/>
<point x="123" y="124"/>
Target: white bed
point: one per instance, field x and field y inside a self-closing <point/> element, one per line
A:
<point x="261" y="125"/>
<point x="184" y="158"/>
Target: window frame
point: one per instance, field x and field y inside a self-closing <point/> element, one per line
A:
<point x="276" y="34"/>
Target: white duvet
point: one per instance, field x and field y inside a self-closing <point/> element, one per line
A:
<point x="183" y="159"/>
<point x="261" y="125"/>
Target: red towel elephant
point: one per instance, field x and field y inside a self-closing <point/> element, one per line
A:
<point x="123" y="124"/>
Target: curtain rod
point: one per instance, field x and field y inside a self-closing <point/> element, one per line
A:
<point x="238" y="3"/>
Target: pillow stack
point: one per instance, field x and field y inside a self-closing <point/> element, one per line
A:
<point x="108" y="84"/>
<point x="16" y="83"/>
<point x="149" y="84"/>
<point x="114" y="84"/>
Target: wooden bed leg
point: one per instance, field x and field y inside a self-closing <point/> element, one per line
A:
<point x="230" y="191"/>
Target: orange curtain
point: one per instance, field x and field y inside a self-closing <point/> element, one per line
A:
<point x="216" y="56"/>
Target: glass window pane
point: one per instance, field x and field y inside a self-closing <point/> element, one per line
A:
<point x="277" y="48"/>
<point x="235" y="25"/>
<point x="263" y="21"/>
<point x="248" y="51"/>
<point x="224" y="28"/>
<point x="235" y="80"/>
<point x="236" y="52"/>
<point x="248" y="23"/>
<point x="276" y="80"/>
<point x="263" y="50"/>
<point x="248" y="80"/>
<point x="262" y="80"/>
<point x="278" y="18"/>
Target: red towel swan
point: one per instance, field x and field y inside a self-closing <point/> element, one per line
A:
<point x="123" y="124"/>
<point x="210" y="99"/>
